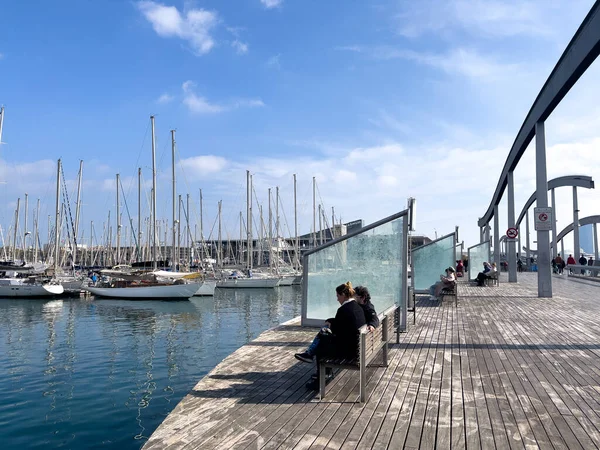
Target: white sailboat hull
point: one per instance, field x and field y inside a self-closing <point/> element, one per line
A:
<point x="172" y="291"/>
<point x="206" y="288"/>
<point x="30" y="290"/>
<point x="248" y="283"/>
<point x="287" y="280"/>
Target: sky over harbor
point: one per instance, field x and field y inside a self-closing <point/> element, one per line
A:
<point x="379" y="100"/>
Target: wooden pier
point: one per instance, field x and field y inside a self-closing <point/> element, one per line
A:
<point x="504" y="370"/>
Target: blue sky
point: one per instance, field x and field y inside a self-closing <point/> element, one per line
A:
<point x="379" y="100"/>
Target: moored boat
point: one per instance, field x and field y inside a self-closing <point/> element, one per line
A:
<point x="19" y="287"/>
<point x="207" y="288"/>
<point x="174" y="291"/>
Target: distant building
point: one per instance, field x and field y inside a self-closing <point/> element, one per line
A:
<point x="417" y="241"/>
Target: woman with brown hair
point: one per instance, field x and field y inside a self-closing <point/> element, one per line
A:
<point x="340" y="337"/>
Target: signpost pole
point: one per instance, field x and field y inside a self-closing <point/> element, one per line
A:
<point x="543" y="236"/>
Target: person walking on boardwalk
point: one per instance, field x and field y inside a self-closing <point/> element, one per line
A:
<point x="339" y="337"/>
<point x="571" y="262"/>
<point x="583" y="262"/>
<point x="559" y="263"/>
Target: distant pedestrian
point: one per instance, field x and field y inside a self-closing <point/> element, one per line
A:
<point x="519" y="265"/>
<point x="590" y="261"/>
<point x="560" y="263"/>
<point x="583" y="262"/>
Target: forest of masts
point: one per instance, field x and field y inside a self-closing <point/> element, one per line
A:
<point x="158" y="239"/>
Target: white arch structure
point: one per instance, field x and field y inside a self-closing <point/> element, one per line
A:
<point x="582" y="51"/>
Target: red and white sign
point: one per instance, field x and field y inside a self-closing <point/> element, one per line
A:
<point x="512" y="233"/>
<point x="543" y="219"/>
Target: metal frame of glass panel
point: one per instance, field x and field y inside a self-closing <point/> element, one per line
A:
<point x="438" y="269"/>
<point x="329" y="265"/>
<point x="472" y="270"/>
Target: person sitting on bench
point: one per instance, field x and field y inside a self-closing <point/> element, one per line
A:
<point x="489" y="271"/>
<point x="363" y="297"/>
<point x="340" y="337"/>
<point x="446" y="282"/>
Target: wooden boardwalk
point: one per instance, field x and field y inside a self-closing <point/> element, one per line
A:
<point x="504" y="370"/>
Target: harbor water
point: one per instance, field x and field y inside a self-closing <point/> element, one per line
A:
<point x="87" y="373"/>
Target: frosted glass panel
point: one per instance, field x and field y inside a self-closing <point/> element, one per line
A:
<point x="373" y="258"/>
<point x="478" y="254"/>
<point x="431" y="260"/>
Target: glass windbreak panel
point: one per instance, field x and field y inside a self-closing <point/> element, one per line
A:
<point x="478" y="254"/>
<point x="431" y="260"/>
<point x="372" y="259"/>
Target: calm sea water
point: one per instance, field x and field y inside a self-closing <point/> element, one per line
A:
<point x="84" y="373"/>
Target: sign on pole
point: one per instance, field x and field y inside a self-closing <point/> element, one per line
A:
<point x="512" y="233"/>
<point x="543" y="219"/>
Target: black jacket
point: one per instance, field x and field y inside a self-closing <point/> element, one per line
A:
<point x="348" y="319"/>
<point x="370" y="314"/>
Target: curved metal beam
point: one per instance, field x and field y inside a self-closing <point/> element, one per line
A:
<point x="575" y="60"/>
<point x="570" y="180"/>
<point x="585" y="221"/>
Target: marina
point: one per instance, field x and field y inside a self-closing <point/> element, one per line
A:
<point x="505" y="369"/>
<point x="243" y="264"/>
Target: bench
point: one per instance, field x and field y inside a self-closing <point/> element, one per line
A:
<point x="369" y="346"/>
<point x="449" y="291"/>
<point x="491" y="281"/>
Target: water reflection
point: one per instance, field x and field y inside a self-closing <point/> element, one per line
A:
<point x="80" y="373"/>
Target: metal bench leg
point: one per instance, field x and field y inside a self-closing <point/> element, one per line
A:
<point x="363" y="384"/>
<point x="322" y="381"/>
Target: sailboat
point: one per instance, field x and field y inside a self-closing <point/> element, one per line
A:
<point x="254" y="280"/>
<point x="156" y="284"/>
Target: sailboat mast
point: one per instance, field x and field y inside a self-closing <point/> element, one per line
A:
<point x="139" y="240"/>
<point x="248" y="219"/>
<point x="118" y="259"/>
<point x="220" y="241"/>
<point x="14" y="243"/>
<point x="296" y="226"/>
<point x="35" y="236"/>
<point x="179" y="232"/>
<point x="153" y="220"/>
<point x="174" y="191"/>
<point x="277" y="228"/>
<point x="314" y="234"/>
<point x="57" y="217"/>
<point x="25" y="233"/>
<point x="201" y="229"/>
<point x="187" y="224"/>
<point x="77" y="211"/>
<point x="270" y="233"/>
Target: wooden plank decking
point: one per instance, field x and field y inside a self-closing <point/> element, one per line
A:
<point x="504" y="370"/>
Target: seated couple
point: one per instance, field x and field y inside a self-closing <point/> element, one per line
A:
<point x="446" y="282"/>
<point x="339" y="336"/>
<point x="489" y="271"/>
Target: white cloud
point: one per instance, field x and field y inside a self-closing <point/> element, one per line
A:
<point x="483" y="18"/>
<point x="240" y="47"/>
<point x="274" y="62"/>
<point x="194" y="26"/>
<point x="200" y="105"/>
<point x="203" y="165"/>
<point x="271" y="3"/>
<point x="165" y="98"/>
